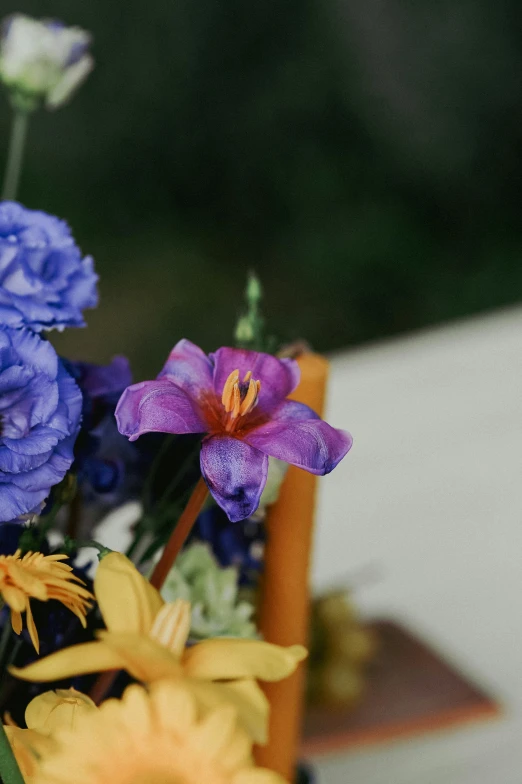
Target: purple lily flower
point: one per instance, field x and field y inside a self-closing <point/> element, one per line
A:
<point x="238" y="398"/>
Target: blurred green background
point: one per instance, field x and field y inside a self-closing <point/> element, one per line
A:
<point x="363" y="156"/>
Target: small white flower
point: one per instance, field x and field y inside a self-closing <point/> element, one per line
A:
<point x="43" y="60"/>
<point x="115" y="530"/>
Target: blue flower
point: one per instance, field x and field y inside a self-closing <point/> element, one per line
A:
<point x="101" y="386"/>
<point x="10" y="534"/>
<point x="102" y="454"/>
<point x="40" y="412"/>
<point x="238" y="544"/>
<point x="44" y="281"/>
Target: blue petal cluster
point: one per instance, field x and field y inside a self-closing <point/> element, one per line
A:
<point x="40" y="412"/>
<point x="102" y="454"/>
<point x="44" y="281"/>
<point x="240" y="544"/>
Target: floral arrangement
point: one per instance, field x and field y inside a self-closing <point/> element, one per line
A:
<point x="142" y="664"/>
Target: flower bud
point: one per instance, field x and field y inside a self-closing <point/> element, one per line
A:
<point x="42" y="61"/>
<point x="244" y="332"/>
<point x="53" y="710"/>
<point x="254" y="292"/>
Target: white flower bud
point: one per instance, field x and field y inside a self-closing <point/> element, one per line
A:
<point x="42" y="60"/>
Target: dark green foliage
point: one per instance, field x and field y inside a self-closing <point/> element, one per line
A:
<point x="363" y="157"/>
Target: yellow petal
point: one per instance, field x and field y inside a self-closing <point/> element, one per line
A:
<point x="16" y="621"/>
<point x="128" y="602"/>
<point x="174" y="703"/>
<point x="251" y="692"/>
<point x="252" y="713"/>
<point x="53" y="710"/>
<point x="222" y="659"/>
<point x="258" y="776"/>
<point x="215" y="732"/>
<point x="142" y="657"/>
<point x="27" y="747"/>
<point x="14" y="597"/>
<point x="31" y="626"/>
<point x="30" y="584"/>
<point x="138" y="713"/>
<point x="76" y="660"/>
<point x="238" y="753"/>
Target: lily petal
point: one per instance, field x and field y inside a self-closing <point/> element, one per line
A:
<point x="156" y="407"/>
<point x="189" y="368"/>
<point x="142" y="657"/>
<point x="76" y="660"/>
<point x="292" y="411"/>
<point x="308" y="443"/>
<point x="251" y="710"/>
<point x="279" y="377"/>
<point x="235" y="474"/>
<point x="221" y="659"/>
<point x="128" y="602"/>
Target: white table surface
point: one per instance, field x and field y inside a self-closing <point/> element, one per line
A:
<point x="431" y="495"/>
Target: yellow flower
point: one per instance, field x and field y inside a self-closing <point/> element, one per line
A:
<point x="28" y="746"/>
<point x="153" y="738"/>
<point x="147" y="637"/>
<point x="40" y="577"/>
<point x="45" y="714"/>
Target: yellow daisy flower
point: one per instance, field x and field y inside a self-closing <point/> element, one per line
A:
<point x="147" y="637"/>
<point x="42" y="577"/>
<point x="153" y="738"/>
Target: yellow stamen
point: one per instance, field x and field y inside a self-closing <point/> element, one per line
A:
<point x="227" y="398"/>
<point x="239" y="398"/>
<point x="236" y="395"/>
<point x="171" y="626"/>
<point x="250" y="398"/>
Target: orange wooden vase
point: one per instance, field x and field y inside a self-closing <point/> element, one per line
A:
<point x="285" y="597"/>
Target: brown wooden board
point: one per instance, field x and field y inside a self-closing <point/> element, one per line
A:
<point x="411" y="690"/>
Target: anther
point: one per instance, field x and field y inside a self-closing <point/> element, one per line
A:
<point x="239" y="397"/>
<point x="232" y="383"/>
<point x="250" y="398"/>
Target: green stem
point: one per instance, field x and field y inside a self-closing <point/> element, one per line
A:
<point x="178" y="476"/>
<point x="131" y="549"/>
<point x="9" y="770"/>
<point x="15" y="154"/>
<point x="4" y="643"/>
<point x="160" y="454"/>
<point x="162" y="507"/>
<point x="74" y="544"/>
<point x="14" y="652"/>
<point x="32" y="538"/>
